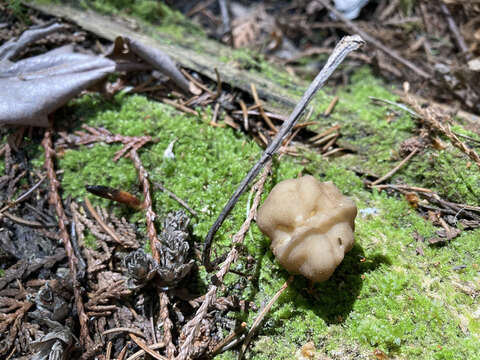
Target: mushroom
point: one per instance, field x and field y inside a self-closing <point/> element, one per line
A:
<point x="311" y="226"/>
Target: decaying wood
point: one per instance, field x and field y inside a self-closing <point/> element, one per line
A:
<point x="180" y="50"/>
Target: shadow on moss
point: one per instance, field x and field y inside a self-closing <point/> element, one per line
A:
<point x="333" y="300"/>
<point x="88" y="106"/>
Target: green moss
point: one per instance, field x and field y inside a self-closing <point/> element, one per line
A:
<point x="18" y="10"/>
<point x="459" y="180"/>
<point x="366" y="126"/>
<point x="149" y="11"/>
<point x="90" y="241"/>
<point x="374" y="133"/>
<point x="383" y="296"/>
<point x="205" y="171"/>
<point x="95" y="166"/>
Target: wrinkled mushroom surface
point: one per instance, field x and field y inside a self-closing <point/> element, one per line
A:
<point x="311" y="226"/>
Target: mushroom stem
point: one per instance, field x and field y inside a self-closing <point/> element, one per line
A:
<point x="260" y="317"/>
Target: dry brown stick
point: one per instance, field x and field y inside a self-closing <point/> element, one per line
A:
<point x="396" y="168"/>
<point x="260" y="108"/>
<point x="330" y="143"/>
<point x="152" y="235"/>
<point x="324" y="133"/>
<point x="375" y="42"/>
<point x="244" y="113"/>
<point x="196" y="82"/>
<point x="434" y="198"/>
<point x="141" y="352"/>
<point x="102" y="224"/>
<point x="219" y="85"/>
<point x="330" y="107"/>
<point x="193" y="326"/>
<point x="325" y="139"/>
<point x="56" y="201"/>
<point x="109" y="351"/>
<point x="147" y="204"/>
<point x="403" y="187"/>
<point x="215" y="114"/>
<point x="167" y="324"/>
<point x="22" y="197"/>
<point x="123" y="329"/>
<point x="305" y="124"/>
<point x="22" y="221"/>
<point x="229" y="338"/>
<point x="159" y="186"/>
<point x="331" y="152"/>
<point x="145" y="347"/>
<point x="252" y="111"/>
<point x="122" y="353"/>
<point x="261" y="315"/>
<point x="178" y="106"/>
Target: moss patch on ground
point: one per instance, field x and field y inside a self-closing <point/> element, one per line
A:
<point x="375" y="132"/>
<point x="383" y="296"/>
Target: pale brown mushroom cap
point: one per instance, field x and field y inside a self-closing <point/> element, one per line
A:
<point x="311" y="226"/>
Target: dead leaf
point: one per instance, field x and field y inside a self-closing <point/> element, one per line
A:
<point x="244" y="32"/>
<point x="12" y="48"/>
<point x="39" y="85"/>
<point x="413" y="199"/>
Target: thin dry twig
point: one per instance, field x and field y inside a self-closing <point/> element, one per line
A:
<point x="159" y="186"/>
<point x="343" y="48"/>
<point x="330" y="107"/>
<point x="142" y="352"/>
<point x="152" y="235"/>
<point x="94" y="135"/>
<point x="147" y="203"/>
<point x="56" y="201"/>
<point x="260" y="108"/>
<point x="375" y="42"/>
<point x="109" y="350"/>
<point x="229" y="338"/>
<point x="104" y="226"/>
<point x="146" y="348"/>
<point x="192" y="328"/>
<point x="261" y="315"/>
<point x="167" y="324"/>
<point x="123" y="329"/>
<point x="22" y="197"/>
<point x="396" y="168"/>
<point x="455" y="31"/>
<point x="244" y="114"/>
